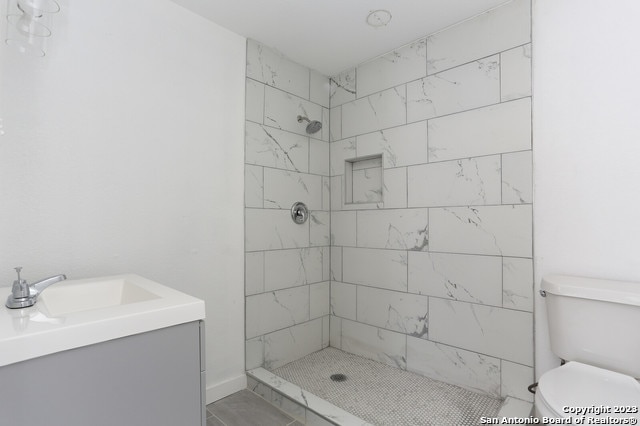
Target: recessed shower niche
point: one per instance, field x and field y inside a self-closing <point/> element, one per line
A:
<point x="363" y="179"/>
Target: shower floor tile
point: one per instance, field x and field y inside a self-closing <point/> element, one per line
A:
<point x="384" y="395"/>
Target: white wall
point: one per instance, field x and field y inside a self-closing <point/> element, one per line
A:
<point x="123" y="152"/>
<point x="586" y="145"/>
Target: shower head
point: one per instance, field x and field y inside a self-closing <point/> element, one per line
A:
<point x="313" y="126"/>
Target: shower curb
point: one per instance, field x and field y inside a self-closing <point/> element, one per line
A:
<point x="302" y="405"/>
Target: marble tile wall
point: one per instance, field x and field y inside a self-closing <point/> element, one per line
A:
<point x="287" y="277"/>
<point x="437" y="277"/>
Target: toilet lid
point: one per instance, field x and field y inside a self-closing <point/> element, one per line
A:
<point x="580" y="385"/>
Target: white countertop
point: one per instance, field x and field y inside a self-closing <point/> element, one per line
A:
<point x="32" y="332"/>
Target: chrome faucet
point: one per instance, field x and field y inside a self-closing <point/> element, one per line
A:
<point x="24" y="295"/>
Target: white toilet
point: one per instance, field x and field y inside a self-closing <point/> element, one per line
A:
<point x="594" y="325"/>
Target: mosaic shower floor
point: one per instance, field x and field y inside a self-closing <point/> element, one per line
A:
<point x="384" y="395"/>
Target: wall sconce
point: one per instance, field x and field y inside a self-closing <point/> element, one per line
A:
<point x="29" y="25"/>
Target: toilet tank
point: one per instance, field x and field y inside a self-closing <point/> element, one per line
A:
<point x="595" y="321"/>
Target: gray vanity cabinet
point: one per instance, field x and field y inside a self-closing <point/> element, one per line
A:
<point x="150" y="379"/>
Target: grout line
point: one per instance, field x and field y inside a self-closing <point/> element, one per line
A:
<point x="264" y="104"/>
<point x="262" y="336"/>
<point x="406" y="103"/>
<point x="500" y="62"/>
<point x="501" y="179"/>
<point x="493" y="104"/>
<point x="343" y="319"/>
<point x="284" y="91"/>
<point x="285" y="170"/>
<point x="331" y="210"/>
<point x="427" y="74"/>
<point x="263" y="185"/>
<point x="408" y="268"/>
<point x="431" y="296"/>
<point x="406" y="181"/>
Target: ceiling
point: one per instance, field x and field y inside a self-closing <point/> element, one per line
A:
<point x="332" y="35"/>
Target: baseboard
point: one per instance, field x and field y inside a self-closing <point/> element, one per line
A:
<point x="219" y="390"/>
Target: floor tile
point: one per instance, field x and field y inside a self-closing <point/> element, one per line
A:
<point x="384" y="395"/>
<point x="244" y="408"/>
<point x="214" y="421"/>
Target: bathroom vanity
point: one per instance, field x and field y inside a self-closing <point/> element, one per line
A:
<point x="109" y="351"/>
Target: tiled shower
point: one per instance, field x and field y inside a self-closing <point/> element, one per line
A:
<point x="418" y="251"/>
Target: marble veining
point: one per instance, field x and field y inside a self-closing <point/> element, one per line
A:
<point x="517" y="181"/>
<point x="326" y="193"/>
<point x="254" y="349"/>
<point x="319" y="300"/>
<point x="517" y="276"/>
<point x="339" y="152"/>
<point x="272" y="147"/>
<point x="319" y="157"/>
<point x="343" y="87"/>
<point x="378" y="111"/>
<point x="335" y="124"/>
<point x="516" y="73"/>
<point x="343" y="300"/>
<point x="375" y="268"/>
<point x="468" y="278"/>
<point x="307" y="399"/>
<point x="291" y="343"/>
<point x="270" y="67"/>
<point x="401" y="146"/>
<point x="401" y="65"/>
<point x="254" y="272"/>
<point x="404" y="229"/>
<point x="254" y="186"/>
<point x="474" y="181"/>
<point x="319" y="90"/>
<point x="319" y="224"/>
<point x="435" y="276"/>
<point x="291" y="268"/>
<point x="470" y="370"/>
<point x="336" y="263"/>
<point x="496" y="230"/>
<point x="254" y="109"/>
<point x="268" y="229"/>
<point x="465" y="87"/>
<point x="493" y="129"/>
<point x="367" y="185"/>
<point x="275" y="310"/>
<point x="394" y="188"/>
<point x="282" y="188"/>
<point x="502" y="333"/>
<point x="491" y="32"/>
<point x="406" y="313"/>
<point x="282" y="110"/>
<point x="381" y="345"/>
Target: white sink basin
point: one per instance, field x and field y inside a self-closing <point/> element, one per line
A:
<point x="65" y="298"/>
<point x="76" y="313"/>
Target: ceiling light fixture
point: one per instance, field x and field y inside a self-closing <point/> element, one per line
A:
<point x="378" y="18"/>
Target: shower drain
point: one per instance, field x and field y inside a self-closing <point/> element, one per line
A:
<point x="338" y="377"/>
